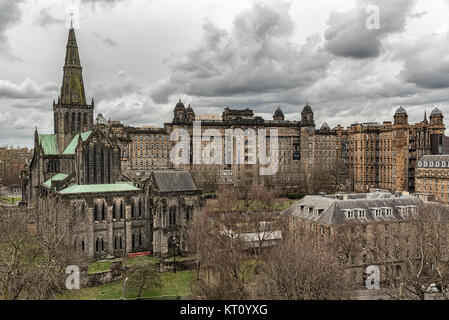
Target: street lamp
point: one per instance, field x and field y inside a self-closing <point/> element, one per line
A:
<point x="174" y="246"/>
<point x="124" y="289"/>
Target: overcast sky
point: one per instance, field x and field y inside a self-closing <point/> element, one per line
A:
<point x="140" y="56"/>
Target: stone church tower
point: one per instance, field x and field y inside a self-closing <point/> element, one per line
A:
<point x="72" y="115"/>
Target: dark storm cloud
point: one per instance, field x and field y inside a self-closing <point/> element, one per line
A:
<point x="10" y="14"/>
<point x="348" y="36"/>
<point x="426" y="61"/>
<point x="256" y="56"/>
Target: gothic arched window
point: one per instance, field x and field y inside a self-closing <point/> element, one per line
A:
<point x="140" y="239"/>
<point x="118" y="242"/>
<point x="172" y="216"/>
<point x="103" y="211"/>
<point x="140" y="208"/>
<point x="133" y="209"/>
<point x="134" y="240"/>
<point x="83" y="211"/>
<point x="96" y="212"/>
<point x="73" y="122"/>
<point x="114" y="214"/>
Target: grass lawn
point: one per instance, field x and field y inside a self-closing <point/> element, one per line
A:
<point x="130" y="261"/>
<point x="99" y="266"/>
<point x="10" y="200"/>
<point x="174" y="285"/>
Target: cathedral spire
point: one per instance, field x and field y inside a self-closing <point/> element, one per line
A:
<point x="72" y="90"/>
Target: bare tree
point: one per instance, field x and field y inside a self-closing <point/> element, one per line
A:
<point x="221" y="256"/>
<point x="414" y="253"/>
<point x="348" y="241"/>
<point x="229" y="237"/>
<point x="57" y="224"/>
<point x="303" y="267"/>
<point x="19" y="254"/>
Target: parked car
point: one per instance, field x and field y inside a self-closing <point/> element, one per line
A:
<point x="433" y="288"/>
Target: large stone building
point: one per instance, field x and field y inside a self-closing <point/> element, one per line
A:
<point x="358" y="158"/>
<point x="363" y="225"/>
<point x="432" y="177"/>
<point x="302" y="149"/>
<point x="81" y="164"/>
<point x="385" y="155"/>
<point x="13" y="161"/>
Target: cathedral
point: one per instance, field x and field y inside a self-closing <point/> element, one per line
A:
<point x="80" y="165"/>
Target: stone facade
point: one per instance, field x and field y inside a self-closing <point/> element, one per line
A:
<point x="80" y="165"/>
<point x="432" y="177"/>
<point x="385" y="155"/>
<point x="360" y="157"/>
<point x="13" y="160"/>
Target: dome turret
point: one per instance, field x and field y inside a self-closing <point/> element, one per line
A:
<point x="400" y="116"/>
<point x="278" y="115"/>
<point x="179" y="112"/>
<point x="325" y="127"/>
<point x="436" y="111"/>
<point x="307" y="116"/>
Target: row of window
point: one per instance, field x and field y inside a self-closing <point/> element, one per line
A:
<point x="361" y="213"/>
<point x="118" y="210"/>
<point x="432" y="164"/>
<point x="119" y="242"/>
<point x="152" y="138"/>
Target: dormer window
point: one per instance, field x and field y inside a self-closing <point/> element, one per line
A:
<point x="411" y="209"/>
<point x="317" y="212"/>
<point x="419" y="164"/>
<point x="430" y="164"/>
<point x="360" y="213"/>
<point x="349" y="214"/>
<point x="437" y="164"/>
<point x="387" y="211"/>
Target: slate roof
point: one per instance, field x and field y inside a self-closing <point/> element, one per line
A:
<point x="174" y="181"/>
<point x="49" y="144"/>
<point x="400" y="110"/>
<point x="307" y="108"/>
<point x="99" y="188"/>
<point x="278" y="112"/>
<point x="433" y="158"/>
<point x="332" y="208"/>
<point x="436" y="111"/>
<point x="56" y="177"/>
<point x="72" y="145"/>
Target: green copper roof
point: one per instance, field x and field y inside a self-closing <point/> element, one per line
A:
<point x="49" y="144"/>
<point x="56" y="177"/>
<point x="72" y="145"/>
<point x="97" y="188"/>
